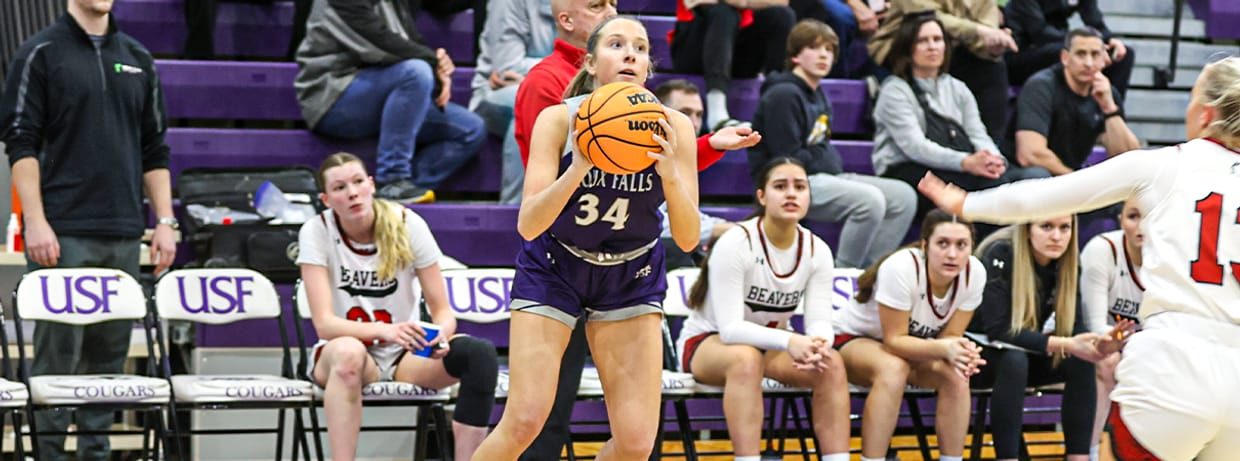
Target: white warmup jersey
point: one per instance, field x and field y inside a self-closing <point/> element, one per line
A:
<point x="1176" y="379"/>
<point x="1110" y="284"/>
<point x="755" y="289"/>
<point x="1189" y="195"/>
<point x="902" y="284"/>
<point x="359" y="295"/>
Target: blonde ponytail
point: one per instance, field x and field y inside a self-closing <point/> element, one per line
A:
<point x="1220" y="89"/>
<point x="391" y="239"/>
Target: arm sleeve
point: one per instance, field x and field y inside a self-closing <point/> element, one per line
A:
<point x="728" y="263"/>
<point x="310" y="243"/>
<point x="972" y="119"/>
<point x="896" y="284"/>
<point x="505" y="35"/>
<point x="154" y="124"/>
<point x="895" y="112"/>
<point x="1033" y="107"/>
<point x="1082" y="190"/>
<point x="23" y="104"/>
<point x="707" y="155"/>
<point x="995" y="313"/>
<point x="1091" y="15"/>
<point x="785" y="127"/>
<point x="359" y="15"/>
<point x="421" y="241"/>
<point x="1096" y="260"/>
<point x="976" y="285"/>
<point x="819" y="308"/>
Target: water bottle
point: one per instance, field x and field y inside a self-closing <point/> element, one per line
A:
<point x="219" y="214"/>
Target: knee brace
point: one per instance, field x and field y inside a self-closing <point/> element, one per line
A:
<point x="474" y="362"/>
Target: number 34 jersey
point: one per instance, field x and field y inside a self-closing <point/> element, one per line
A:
<point x="1190" y="197"/>
<point x="609" y="213"/>
<point x="358" y="294"/>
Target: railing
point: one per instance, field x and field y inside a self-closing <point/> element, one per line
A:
<point x="1163" y="76"/>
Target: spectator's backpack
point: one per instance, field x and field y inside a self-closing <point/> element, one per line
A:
<point x="226" y="230"/>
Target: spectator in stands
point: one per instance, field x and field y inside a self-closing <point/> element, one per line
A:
<point x="1111" y="292"/>
<point x="977" y="57"/>
<point x="200" y="24"/>
<point x="734" y="339"/>
<point x="517" y="35"/>
<point x="83" y="145"/>
<point x="722" y="39"/>
<point x="682" y="95"/>
<point x="1031" y="302"/>
<point x="906" y="325"/>
<point x="369" y="335"/>
<point x="849" y="19"/>
<point x="1067" y="108"/>
<point x="365" y="71"/>
<point x="1040" y="27"/>
<point x="794" y="116"/>
<point x="927" y="120"/>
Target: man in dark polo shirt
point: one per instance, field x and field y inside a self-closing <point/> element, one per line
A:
<point x="1064" y="110"/>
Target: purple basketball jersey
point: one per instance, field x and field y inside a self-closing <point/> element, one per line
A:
<point x="609" y="213"/>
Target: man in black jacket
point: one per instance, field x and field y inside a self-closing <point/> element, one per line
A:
<point x="1040" y="27"/>
<point x="364" y="70"/>
<point x="83" y="120"/>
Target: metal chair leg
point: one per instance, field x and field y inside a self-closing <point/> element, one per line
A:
<point x="919" y="426"/>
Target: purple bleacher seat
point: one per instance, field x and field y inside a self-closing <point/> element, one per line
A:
<point x="225" y="148"/>
<point x="650" y="7"/>
<point x="657" y="28"/>
<point x="263" y="30"/>
<point x="248" y="90"/>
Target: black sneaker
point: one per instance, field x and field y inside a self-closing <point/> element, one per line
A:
<point x="405" y="192"/>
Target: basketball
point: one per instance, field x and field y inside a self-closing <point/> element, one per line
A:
<point x="614" y="127"/>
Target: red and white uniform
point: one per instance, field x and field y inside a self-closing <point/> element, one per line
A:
<point x="1177" y="378"/>
<point x="1110" y="285"/>
<point x="358" y="294"/>
<point x="755" y="289"/>
<point x="902" y="284"/>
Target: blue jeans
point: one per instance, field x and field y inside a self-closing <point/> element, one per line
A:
<point x="394" y="102"/>
<point x="842" y="20"/>
<point x="496" y="110"/>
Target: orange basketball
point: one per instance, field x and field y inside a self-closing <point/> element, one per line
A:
<point x="614" y="127"/>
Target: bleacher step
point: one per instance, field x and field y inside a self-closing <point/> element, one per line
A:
<point x="1156" y="105"/>
<point x="1149" y="26"/>
<point x="1161" y="8"/>
<point x="1158" y="133"/>
<point x="1155" y="52"/>
<point x="1143" y="76"/>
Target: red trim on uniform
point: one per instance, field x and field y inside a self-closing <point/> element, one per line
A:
<point x="345" y="239"/>
<point x="1114" y="251"/>
<point x="1123" y="444"/>
<point x="1131" y="272"/>
<point x="691" y="346"/>
<point x="843" y="338"/>
<point x="930" y="290"/>
<point x="800" y="245"/>
<point x="1220" y="144"/>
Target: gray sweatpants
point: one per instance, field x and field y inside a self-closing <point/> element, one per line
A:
<point x="69" y="349"/>
<point x="876" y="213"/>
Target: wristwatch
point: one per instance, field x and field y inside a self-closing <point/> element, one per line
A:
<point x="170" y="221"/>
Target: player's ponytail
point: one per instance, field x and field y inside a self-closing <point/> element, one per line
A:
<point x="1220" y="89"/>
<point x="391" y="238"/>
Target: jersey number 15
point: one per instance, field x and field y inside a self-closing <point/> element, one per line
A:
<point x="1206" y="268"/>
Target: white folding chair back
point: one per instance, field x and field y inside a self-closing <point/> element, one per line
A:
<point x="80" y="296"/>
<point x="216" y="296"/>
<point x="480" y="295"/>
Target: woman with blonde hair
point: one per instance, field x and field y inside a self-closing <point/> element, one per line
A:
<point x="1032" y="288"/>
<point x="365" y="264"/>
<point x="1176" y="380"/>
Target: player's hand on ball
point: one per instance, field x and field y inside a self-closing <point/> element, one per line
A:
<point x="580" y="162"/>
<point x="665" y="162"/>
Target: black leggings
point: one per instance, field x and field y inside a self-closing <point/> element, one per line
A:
<point x="474" y="362"/>
<point x="714" y="46"/>
<point x="1009" y="372"/>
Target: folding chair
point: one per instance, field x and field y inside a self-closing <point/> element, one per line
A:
<point x="85" y="296"/>
<point x="14" y="397"/>
<point x="428" y="403"/>
<point x="216" y="297"/>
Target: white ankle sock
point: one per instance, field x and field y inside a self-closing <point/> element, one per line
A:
<point x="1093" y="453"/>
<point x="950" y="458"/>
<point x="716" y="108"/>
<point x="837" y="457"/>
<point x="748" y="458"/>
<point x="872" y="459"/>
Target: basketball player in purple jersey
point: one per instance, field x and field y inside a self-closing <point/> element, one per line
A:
<point x="592" y="248"/>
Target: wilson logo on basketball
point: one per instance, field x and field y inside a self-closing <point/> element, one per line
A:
<point x="646" y="125"/>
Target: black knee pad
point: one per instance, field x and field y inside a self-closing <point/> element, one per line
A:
<point x="474" y="362"/>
